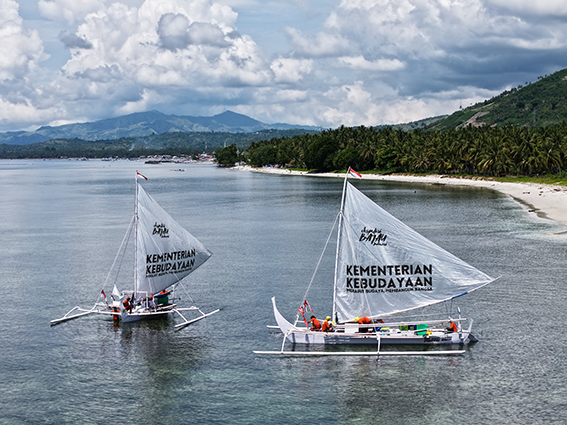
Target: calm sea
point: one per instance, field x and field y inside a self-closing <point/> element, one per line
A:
<point x="61" y="223"/>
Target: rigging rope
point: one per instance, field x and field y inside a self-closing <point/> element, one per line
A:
<point x="121" y="250"/>
<point x="316" y="269"/>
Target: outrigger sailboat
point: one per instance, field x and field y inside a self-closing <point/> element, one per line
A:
<point x="165" y="253"/>
<point x="382" y="268"/>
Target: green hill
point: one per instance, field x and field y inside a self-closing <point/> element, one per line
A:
<point x="539" y="104"/>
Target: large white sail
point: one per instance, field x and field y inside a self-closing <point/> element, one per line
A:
<point x="385" y="267"/>
<point x="166" y="252"/>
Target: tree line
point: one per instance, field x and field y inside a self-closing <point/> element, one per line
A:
<point x="171" y="143"/>
<point x="488" y="151"/>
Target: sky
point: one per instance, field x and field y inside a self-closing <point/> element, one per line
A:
<point x="324" y="63"/>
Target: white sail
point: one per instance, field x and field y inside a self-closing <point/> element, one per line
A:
<point x="166" y="252"/>
<point x="385" y="267"/>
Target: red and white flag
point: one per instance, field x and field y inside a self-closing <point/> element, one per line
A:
<point x="102" y="294"/>
<point x="354" y="173"/>
<point x="141" y="175"/>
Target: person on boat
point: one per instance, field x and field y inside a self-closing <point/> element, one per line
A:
<point x="363" y="321"/>
<point x="128" y="304"/>
<point x="315" y="325"/>
<point x="327" y="325"/>
<point x="452" y="327"/>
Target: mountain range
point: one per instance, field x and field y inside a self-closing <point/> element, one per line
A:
<point x="536" y="104"/>
<point x="144" y="124"/>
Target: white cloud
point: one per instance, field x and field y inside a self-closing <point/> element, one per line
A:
<point x="359" y="62"/>
<point x="22" y="49"/>
<point x="173" y="31"/>
<point x="527" y="7"/>
<point x="71" y="11"/>
<point x="340" y="62"/>
<point x="289" y="70"/>
<point x="73" y="41"/>
<point x="320" y="45"/>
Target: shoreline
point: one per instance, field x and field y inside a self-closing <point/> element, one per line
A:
<point x="544" y="200"/>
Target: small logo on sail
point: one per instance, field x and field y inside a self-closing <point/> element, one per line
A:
<point x="373" y="237"/>
<point x="161" y="230"/>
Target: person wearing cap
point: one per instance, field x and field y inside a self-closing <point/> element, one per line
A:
<point x="363" y="321"/>
<point x="315" y="325"/>
<point x="327" y="325"/>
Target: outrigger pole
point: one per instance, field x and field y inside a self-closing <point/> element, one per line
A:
<point x="188" y="322"/>
<point x="360" y="353"/>
<point x="74" y="316"/>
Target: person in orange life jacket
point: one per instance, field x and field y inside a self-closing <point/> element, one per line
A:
<point x="327" y="325"/>
<point x="452" y="327"/>
<point x="315" y="324"/>
<point x="363" y="321"/>
<point x="127" y="304"/>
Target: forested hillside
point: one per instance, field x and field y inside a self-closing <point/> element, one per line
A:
<point x="539" y="104"/>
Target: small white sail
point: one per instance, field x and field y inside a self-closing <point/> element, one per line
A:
<point x="166" y="252"/>
<point x="385" y="267"/>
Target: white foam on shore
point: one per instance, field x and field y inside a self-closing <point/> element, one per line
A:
<point x="547" y="201"/>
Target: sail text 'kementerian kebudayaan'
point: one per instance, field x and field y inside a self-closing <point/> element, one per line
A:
<point x="389" y="278"/>
<point x="169" y="262"/>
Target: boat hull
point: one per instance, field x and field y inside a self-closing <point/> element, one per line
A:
<point x="297" y="335"/>
<point x="342" y="338"/>
<point x="146" y="314"/>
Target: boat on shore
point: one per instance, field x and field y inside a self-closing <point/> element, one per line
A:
<point x="165" y="253"/>
<point x="383" y="269"/>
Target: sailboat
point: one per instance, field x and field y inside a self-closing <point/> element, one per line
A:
<point x="385" y="268"/>
<point x="165" y="253"/>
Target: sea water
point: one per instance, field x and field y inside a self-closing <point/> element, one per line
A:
<point x="62" y="222"/>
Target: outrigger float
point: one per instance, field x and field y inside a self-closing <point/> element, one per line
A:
<point x="165" y="253"/>
<point x="384" y="268"/>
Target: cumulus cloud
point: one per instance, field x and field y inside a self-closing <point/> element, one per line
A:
<point x="322" y="44"/>
<point x="205" y="33"/>
<point x="423" y="47"/>
<point x="173" y="31"/>
<point x="22" y="49"/>
<point x="289" y="70"/>
<point x="73" y="41"/>
<point x="71" y="11"/>
<point x="359" y="62"/>
<point x="365" y="62"/>
<point x="529" y="7"/>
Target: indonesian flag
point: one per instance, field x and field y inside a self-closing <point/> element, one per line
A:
<point x="141" y="175"/>
<point x="354" y="173"/>
<point x="102" y="294"/>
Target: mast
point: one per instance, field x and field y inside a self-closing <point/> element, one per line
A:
<point x="338" y="246"/>
<point x="135" y="237"/>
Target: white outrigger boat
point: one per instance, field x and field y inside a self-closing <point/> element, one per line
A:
<point x="165" y="253"/>
<point x="383" y="268"/>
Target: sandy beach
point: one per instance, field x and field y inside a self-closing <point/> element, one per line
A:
<point x="547" y="201"/>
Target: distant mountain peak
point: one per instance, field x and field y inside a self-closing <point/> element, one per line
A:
<point x="234" y="119"/>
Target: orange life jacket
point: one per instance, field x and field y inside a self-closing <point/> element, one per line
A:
<point x="316" y="325"/>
